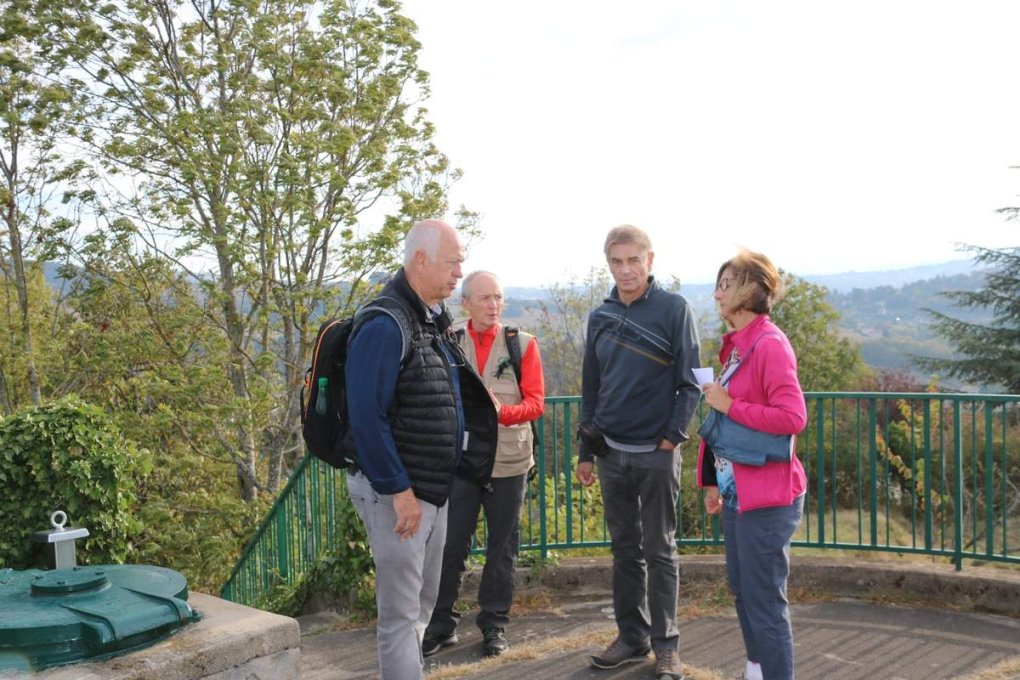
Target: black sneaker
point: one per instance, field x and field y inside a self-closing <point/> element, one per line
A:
<point x="430" y="644"/>
<point x="495" y="642"/>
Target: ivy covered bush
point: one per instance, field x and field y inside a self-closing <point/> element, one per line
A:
<point x="67" y="455"/>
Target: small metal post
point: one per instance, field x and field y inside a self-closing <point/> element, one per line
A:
<point x="62" y="540"/>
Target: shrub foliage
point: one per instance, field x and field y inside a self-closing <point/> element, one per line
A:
<point x="67" y="455"/>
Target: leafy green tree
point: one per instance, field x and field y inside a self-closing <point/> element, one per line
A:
<point x="561" y="327"/>
<point x="990" y="352"/>
<point x="34" y="112"/>
<point x="135" y="349"/>
<point x="825" y="360"/>
<point x="46" y="320"/>
<point x="282" y="144"/>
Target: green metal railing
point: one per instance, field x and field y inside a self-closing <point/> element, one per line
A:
<point x="908" y="473"/>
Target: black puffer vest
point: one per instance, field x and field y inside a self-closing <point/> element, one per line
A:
<point x="423" y="415"/>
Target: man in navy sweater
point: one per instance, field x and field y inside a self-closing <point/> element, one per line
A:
<point x="418" y="414"/>
<point x="638" y="395"/>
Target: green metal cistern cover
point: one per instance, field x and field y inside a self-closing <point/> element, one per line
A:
<point x="49" y="618"/>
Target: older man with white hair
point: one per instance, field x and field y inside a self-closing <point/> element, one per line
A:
<point x="510" y="366"/>
<point x="418" y="414"/>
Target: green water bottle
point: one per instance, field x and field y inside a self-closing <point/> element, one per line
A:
<point x="320" y="401"/>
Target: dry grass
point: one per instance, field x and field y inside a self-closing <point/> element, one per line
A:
<point x="534" y="600"/>
<point x="1007" y="669"/>
<point x="580" y="644"/>
<point x="528" y="650"/>
<point x="851" y="529"/>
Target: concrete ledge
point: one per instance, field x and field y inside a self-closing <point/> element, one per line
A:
<point x="979" y="588"/>
<point x="231" y="642"/>
<point x="985" y="589"/>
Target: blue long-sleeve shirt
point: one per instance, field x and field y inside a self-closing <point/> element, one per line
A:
<point x="371" y="373"/>
<point x="373" y="365"/>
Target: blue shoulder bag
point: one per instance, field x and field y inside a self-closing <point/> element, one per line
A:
<point x="738" y="443"/>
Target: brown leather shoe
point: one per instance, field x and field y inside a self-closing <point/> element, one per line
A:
<point x="617" y="654"/>
<point x="667" y="665"/>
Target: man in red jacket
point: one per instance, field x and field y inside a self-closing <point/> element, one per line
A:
<point x="488" y="346"/>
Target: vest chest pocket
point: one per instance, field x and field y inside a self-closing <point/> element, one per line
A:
<point x="506" y="389"/>
<point x="514" y="444"/>
<point x="514" y="433"/>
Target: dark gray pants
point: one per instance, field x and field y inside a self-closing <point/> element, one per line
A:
<point x="639" y="492"/>
<point x="503" y="523"/>
<point x="757" y="566"/>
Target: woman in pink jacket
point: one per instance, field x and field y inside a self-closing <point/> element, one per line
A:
<point x="761" y="506"/>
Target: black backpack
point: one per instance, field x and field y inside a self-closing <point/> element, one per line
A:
<point x="325" y="426"/>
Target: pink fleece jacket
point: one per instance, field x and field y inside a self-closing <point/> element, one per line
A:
<point x="767" y="397"/>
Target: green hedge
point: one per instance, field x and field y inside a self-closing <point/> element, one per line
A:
<point x="67" y="455"/>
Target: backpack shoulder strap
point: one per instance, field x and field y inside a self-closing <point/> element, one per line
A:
<point x="512" y="337"/>
<point x="394" y="309"/>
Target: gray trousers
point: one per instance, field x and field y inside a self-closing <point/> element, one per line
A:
<point x="757" y="565"/>
<point x="639" y="493"/>
<point x="503" y="523"/>
<point x="406" y="577"/>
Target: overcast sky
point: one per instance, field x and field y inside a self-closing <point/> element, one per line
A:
<point x="833" y="136"/>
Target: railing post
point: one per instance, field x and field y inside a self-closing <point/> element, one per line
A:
<point x="282" y="546"/>
<point x="927" y="472"/>
<point x="873" y="466"/>
<point x="542" y="531"/>
<point x="568" y="488"/>
<point x="958" y="486"/>
<point x="989" y="482"/>
<point x="820" y="465"/>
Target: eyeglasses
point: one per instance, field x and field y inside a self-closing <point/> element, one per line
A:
<point x="724" y="284"/>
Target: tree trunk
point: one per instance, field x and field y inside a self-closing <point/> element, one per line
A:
<point x="20" y="282"/>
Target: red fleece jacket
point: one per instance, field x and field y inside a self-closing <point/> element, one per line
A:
<point x="532" y="381"/>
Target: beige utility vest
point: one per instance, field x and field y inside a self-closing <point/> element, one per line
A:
<point x="513" y="455"/>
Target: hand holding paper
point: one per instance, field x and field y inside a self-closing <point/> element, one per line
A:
<point x="703" y="375"/>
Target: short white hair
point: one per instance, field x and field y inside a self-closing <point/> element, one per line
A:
<point x="465" y="286"/>
<point x="423" y="236"/>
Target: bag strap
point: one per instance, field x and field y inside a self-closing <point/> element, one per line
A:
<point x="725" y="379"/>
<point x="396" y="310"/>
<point x="512" y="337"/>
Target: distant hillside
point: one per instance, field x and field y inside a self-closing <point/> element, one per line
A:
<point x="882" y="311"/>
<point x="867" y="309"/>
<point x="847" y="281"/>
<point x="890" y="324"/>
<point x="842" y="282"/>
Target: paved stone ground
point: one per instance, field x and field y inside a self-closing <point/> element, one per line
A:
<point x="844" y="639"/>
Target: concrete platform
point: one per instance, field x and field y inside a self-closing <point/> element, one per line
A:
<point x="844" y="638"/>
<point x="231" y="642"/>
